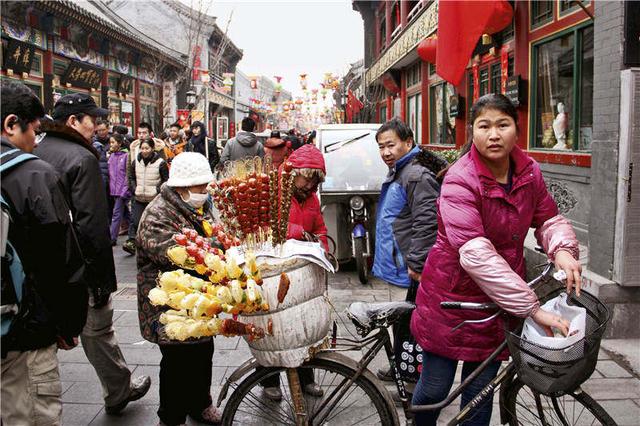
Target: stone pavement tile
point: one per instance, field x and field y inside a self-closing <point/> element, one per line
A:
<point x="624" y="412"/>
<point x="152" y="371"/>
<point x="153" y="396"/>
<point x="84" y="393"/>
<point x="603" y="355"/>
<point x="230" y="358"/>
<point x="227" y="342"/>
<point x="611" y="369"/>
<point x="79" y="414"/>
<point x="116" y="315"/>
<point x="134" y="414"/>
<point x="78" y="372"/>
<point x="122" y="304"/>
<point x="220" y="374"/>
<point x="604" y="389"/>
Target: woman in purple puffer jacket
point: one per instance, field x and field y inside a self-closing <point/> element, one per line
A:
<point x="118" y="183"/>
<point x="490" y="198"/>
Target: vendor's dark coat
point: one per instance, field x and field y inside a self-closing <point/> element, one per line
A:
<point x="165" y="216"/>
<point x="77" y="163"/>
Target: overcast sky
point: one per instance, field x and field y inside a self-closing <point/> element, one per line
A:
<point x="287" y="38"/>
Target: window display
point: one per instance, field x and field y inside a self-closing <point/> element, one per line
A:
<point x="442" y="125"/>
<point x="561" y="111"/>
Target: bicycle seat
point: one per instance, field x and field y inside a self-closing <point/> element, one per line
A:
<point x="369" y="316"/>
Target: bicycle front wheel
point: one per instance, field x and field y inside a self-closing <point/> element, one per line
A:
<point x="362" y="404"/>
<point x="528" y="407"/>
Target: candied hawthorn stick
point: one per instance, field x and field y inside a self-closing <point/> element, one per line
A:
<point x="287" y="192"/>
<point x="273" y="206"/>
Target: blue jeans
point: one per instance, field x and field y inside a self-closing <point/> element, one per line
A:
<point x="435" y="383"/>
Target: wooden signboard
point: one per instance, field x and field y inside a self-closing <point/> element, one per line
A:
<point x="83" y="75"/>
<point x="18" y="56"/>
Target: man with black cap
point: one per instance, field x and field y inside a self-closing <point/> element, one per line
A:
<point x="68" y="148"/>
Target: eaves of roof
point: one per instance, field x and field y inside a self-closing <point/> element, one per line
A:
<point x="69" y="9"/>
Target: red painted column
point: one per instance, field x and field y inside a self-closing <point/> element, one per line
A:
<point x="424" y="89"/>
<point x="403" y="95"/>
<point x="387" y="17"/>
<point x="521" y="66"/>
<point x="377" y="33"/>
<point x="136" y="108"/>
<point x="47" y="59"/>
<point x="389" y="107"/>
<point x="404" y="11"/>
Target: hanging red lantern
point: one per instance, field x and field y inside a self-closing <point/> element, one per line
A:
<point x="427" y="49"/>
<point x="501" y="17"/>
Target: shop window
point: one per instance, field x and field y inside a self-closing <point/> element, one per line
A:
<point x="484" y="81"/>
<point x="510" y="66"/>
<point x="383" y="114"/>
<point x="60" y="67"/>
<point x="36" y="88"/>
<point x="383" y="33"/>
<point x="36" y="65"/>
<point x="563" y="87"/>
<point x="568" y="6"/>
<point x="413" y="74"/>
<point x="441" y="124"/>
<point x="432" y="68"/>
<point x="541" y="12"/>
<point x="414" y="116"/>
<point x="113" y="83"/>
<point x="508" y="32"/>
<point x="496" y="78"/>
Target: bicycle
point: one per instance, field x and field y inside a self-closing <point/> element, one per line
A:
<point x="354" y="395"/>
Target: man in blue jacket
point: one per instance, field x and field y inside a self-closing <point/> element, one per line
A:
<point x="406" y="223"/>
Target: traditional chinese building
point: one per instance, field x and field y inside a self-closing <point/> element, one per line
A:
<point x="60" y="47"/>
<point x="210" y="55"/>
<point x="569" y="68"/>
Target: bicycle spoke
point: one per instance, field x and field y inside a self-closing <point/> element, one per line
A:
<point x="268" y="408"/>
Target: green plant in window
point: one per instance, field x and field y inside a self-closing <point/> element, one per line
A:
<point x="451" y="155"/>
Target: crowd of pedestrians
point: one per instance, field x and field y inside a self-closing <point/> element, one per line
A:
<point x="442" y="231"/>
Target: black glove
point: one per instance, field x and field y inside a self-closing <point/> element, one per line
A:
<point x="100" y="297"/>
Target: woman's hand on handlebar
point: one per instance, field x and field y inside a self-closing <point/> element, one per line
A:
<point x="571" y="267"/>
<point x="547" y="320"/>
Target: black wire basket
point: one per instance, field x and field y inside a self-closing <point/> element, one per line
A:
<point x="554" y="372"/>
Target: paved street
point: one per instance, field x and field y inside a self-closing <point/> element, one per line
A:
<point x="613" y="384"/>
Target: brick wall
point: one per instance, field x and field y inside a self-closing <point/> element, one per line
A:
<point x="608" y="27"/>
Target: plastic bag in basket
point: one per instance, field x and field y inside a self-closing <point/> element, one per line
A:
<point x="577" y="316"/>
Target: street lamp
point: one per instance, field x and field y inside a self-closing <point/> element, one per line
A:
<point x="191" y="99"/>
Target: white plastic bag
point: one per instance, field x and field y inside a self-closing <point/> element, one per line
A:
<point x="572" y="345"/>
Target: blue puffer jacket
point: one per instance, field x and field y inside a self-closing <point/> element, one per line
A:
<point x="104" y="164"/>
<point x="406" y="223"/>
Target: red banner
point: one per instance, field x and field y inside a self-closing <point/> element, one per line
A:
<point x="504" y="69"/>
<point x="476" y="82"/>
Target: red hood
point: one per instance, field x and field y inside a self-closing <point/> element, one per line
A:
<point x="307" y="157"/>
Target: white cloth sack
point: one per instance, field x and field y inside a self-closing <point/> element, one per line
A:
<point x="534" y="333"/>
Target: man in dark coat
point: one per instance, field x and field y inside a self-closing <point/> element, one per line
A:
<point x="53" y="308"/>
<point x="101" y="144"/>
<point x="200" y="143"/>
<point x="67" y="147"/>
<point x="406" y="222"/>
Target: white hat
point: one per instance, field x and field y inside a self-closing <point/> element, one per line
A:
<point x="189" y="169"/>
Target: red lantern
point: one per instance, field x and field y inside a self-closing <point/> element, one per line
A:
<point x="427" y="49"/>
<point x="501" y="17"/>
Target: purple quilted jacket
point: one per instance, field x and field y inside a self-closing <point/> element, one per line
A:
<point x="479" y="254"/>
<point x="118" y="183"/>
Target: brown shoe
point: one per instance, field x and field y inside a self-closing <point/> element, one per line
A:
<point x="139" y="388"/>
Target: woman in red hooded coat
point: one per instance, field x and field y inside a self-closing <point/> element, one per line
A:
<point x="305" y="217"/>
<point x="305" y="223"/>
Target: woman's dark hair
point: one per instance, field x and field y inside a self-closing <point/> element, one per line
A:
<point x="149" y="142"/>
<point x="275" y="134"/>
<point x="118" y="138"/>
<point x="120" y="129"/>
<point x="401" y="130"/>
<point x="494" y="101"/>
<point x="19" y="100"/>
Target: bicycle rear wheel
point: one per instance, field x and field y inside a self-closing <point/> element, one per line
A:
<point x="362" y="404"/>
<point x="528" y="407"/>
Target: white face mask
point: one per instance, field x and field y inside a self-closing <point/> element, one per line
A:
<point x="197" y="200"/>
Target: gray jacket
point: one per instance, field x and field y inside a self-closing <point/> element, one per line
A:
<point x="244" y="145"/>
